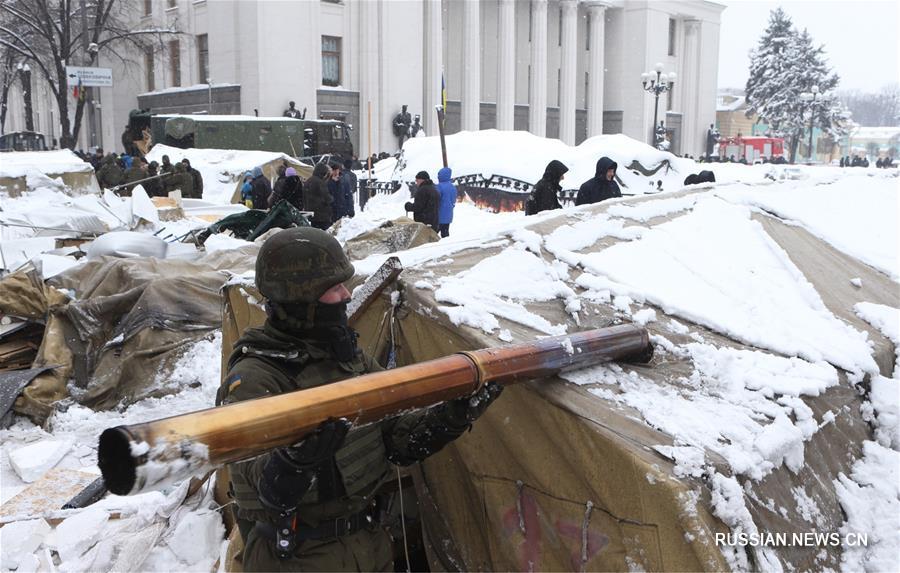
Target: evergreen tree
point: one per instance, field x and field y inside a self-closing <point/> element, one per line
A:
<point x="766" y="89"/>
<point x="784" y="65"/>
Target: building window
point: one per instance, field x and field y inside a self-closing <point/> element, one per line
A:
<point x="148" y="7"/>
<point x="670" y="97"/>
<point x="148" y="69"/>
<point x="587" y="35"/>
<point x="530" y="17"/>
<point x="203" y="53"/>
<point x="171" y="3"/>
<point x="559" y="37"/>
<point x="331" y="61"/>
<point x="175" y="62"/>
<point x="672" y="25"/>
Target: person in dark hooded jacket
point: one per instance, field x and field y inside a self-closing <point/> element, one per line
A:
<point x="317" y="198"/>
<point x="546" y="190"/>
<point x="262" y="189"/>
<point x="289" y="188"/>
<point x="426" y="203"/>
<point x="601" y="186"/>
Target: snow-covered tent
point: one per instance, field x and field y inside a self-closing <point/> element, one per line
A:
<point x="61" y="170"/>
<point x="748" y="420"/>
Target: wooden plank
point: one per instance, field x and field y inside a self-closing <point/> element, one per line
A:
<point x="48" y="493"/>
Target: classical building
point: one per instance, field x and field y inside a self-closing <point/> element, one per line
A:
<point x="569" y="69"/>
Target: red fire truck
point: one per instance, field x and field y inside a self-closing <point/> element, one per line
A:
<point x="751" y="148"/>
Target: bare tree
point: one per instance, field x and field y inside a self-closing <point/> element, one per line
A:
<point x="51" y="34"/>
<point x="7" y="77"/>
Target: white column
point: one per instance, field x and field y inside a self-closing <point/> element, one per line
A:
<point x="596" y="72"/>
<point x="537" y="104"/>
<point x="369" y="74"/>
<point x="434" y="63"/>
<point x="471" y="77"/>
<point x="567" y="71"/>
<point x="689" y="92"/>
<point x="506" y="76"/>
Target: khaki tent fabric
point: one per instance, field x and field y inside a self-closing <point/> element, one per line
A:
<point x="127" y="325"/>
<point x="555" y="478"/>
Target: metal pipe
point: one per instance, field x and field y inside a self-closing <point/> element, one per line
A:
<point x="151" y="455"/>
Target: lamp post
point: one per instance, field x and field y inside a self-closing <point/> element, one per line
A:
<point x="811" y="98"/>
<point x="660" y="84"/>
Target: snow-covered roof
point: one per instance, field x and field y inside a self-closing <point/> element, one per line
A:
<point x="875" y="133"/>
<point x="195" y="87"/>
<point x="729" y="102"/>
<point x="204" y="117"/>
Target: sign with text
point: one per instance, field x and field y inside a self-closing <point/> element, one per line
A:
<point x="90" y="77"/>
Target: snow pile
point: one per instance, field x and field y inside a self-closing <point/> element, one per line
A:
<point x="524" y="156"/>
<point x="745" y="287"/>
<point x="481" y="294"/>
<point x="221" y="168"/>
<point x="851" y="214"/>
<point x="871" y="500"/>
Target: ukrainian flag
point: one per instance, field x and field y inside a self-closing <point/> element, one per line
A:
<point x="443" y="93"/>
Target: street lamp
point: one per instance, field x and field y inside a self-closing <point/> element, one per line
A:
<point x="811" y="97"/>
<point x="660" y="84"/>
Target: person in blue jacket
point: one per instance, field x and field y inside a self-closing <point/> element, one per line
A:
<point x="448" y="201"/>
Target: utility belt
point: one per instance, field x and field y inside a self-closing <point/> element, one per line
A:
<point x="289" y="532"/>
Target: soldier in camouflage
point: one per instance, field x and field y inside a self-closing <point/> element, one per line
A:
<point x="313" y="506"/>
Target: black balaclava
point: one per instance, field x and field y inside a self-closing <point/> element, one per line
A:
<point x="324" y="324"/>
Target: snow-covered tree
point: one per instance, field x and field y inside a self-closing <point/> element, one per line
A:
<point x="784" y="65"/>
<point x="52" y="34"/>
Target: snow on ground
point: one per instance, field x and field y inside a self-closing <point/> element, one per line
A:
<point x="710" y="265"/>
<point x="190" y="535"/>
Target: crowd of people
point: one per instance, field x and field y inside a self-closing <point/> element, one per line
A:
<point x="122" y="173"/>
<point x="328" y="193"/>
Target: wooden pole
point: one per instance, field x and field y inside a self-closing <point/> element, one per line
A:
<point x="440" y="114"/>
<point x="152" y="455"/>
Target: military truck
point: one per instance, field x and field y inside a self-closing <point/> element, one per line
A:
<point x="302" y="138"/>
<point x="23" y="141"/>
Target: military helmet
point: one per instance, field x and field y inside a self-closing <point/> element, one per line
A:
<point x="298" y="265"/>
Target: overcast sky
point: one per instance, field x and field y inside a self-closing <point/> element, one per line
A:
<point x="860" y="38"/>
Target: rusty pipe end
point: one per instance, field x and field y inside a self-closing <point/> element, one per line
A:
<point x="117" y="464"/>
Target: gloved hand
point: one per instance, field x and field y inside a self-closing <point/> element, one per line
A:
<point x="290" y="472"/>
<point x="464" y="411"/>
<point x="318" y="446"/>
<point x="408" y="206"/>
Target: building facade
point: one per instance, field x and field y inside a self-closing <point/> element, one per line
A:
<point x="569" y="69"/>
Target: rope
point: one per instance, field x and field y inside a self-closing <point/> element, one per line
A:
<point x="403" y="518"/>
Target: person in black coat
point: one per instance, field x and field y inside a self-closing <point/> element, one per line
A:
<point x="546" y="190"/>
<point x="262" y="189"/>
<point x="288" y="188"/>
<point x="601" y="186"/>
<point x="316" y="197"/>
<point x="426" y="201"/>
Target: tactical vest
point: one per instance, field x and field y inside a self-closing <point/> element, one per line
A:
<point x="361" y="460"/>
